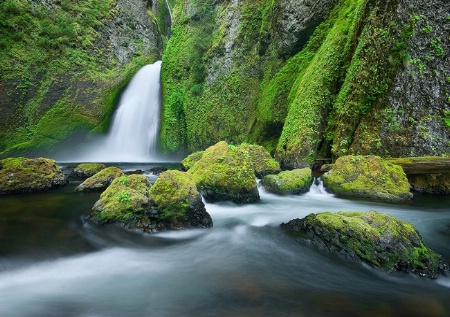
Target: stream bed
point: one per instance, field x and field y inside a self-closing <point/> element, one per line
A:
<point x="53" y="264"/>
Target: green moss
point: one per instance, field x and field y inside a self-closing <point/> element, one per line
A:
<point x="191" y="159"/>
<point x="111" y="209"/>
<point x="103" y="179"/>
<point x="172" y="194"/>
<point x="369" y="177"/>
<point x="316" y="90"/>
<point x="54" y="68"/>
<point x="21" y="175"/>
<point x="225" y="172"/>
<point x="263" y="164"/>
<point x="289" y="182"/>
<point x="376" y="238"/>
<point x="88" y="169"/>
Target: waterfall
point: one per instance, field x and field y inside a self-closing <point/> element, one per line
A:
<point x="170" y="11"/>
<point x="135" y="125"/>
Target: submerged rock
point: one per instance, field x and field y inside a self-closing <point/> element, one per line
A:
<point x="225" y="172"/>
<point x="375" y="238"/>
<point x="23" y="175"/>
<point x="262" y="162"/>
<point x="86" y="170"/>
<point x="367" y="177"/>
<point x="100" y="180"/>
<point x="289" y="182"/>
<point x="173" y="202"/>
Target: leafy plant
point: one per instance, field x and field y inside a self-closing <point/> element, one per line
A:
<point x="123" y="196"/>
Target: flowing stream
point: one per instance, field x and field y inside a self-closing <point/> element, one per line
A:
<point x="53" y="264"/>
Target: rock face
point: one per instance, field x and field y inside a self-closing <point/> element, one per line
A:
<point x="289" y="182"/>
<point x="86" y="170"/>
<point x="438" y="184"/>
<point x="100" y="180"/>
<point x="225" y="172"/>
<point x="22" y="175"/>
<point x="378" y="239"/>
<point x="78" y="57"/>
<point x="367" y="177"/>
<point x="173" y="202"/>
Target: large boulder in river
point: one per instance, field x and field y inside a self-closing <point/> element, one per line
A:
<point x="375" y="238"/>
<point x="100" y="180"/>
<point x="23" y="175"/>
<point x="191" y="159"/>
<point x="173" y="202"/>
<point x="289" y="182"/>
<point x="367" y="177"/>
<point x="225" y="172"/>
<point x="85" y="170"/>
<point x="263" y="163"/>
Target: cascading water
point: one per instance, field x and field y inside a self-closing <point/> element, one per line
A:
<point x="134" y="130"/>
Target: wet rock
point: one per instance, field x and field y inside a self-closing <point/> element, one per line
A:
<point x="23" y="175"/>
<point x="375" y="238"/>
<point x="100" y="180"/>
<point x="225" y="172"/>
<point x="86" y="170"/>
<point x="367" y="177"/>
<point x="157" y="170"/>
<point x="262" y="162"/>
<point x="191" y="159"/>
<point x="172" y="203"/>
<point x="289" y="182"/>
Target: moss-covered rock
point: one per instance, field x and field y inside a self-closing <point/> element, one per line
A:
<point x="191" y="159"/>
<point x="375" y="238"/>
<point x="132" y="201"/>
<point x="86" y="170"/>
<point x="100" y="180"/>
<point x="225" y="172"/>
<point x="263" y="163"/>
<point x="367" y="177"/>
<point x="289" y="182"/>
<point x="437" y="184"/>
<point x="177" y="201"/>
<point x="23" y="175"/>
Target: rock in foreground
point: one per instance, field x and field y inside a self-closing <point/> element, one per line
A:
<point x="225" y="172"/>
<point x="173" y="202"/>
<point x="262" y="162"/>
<point x="378" y="239"/>
<point x="289" y="182"/>
<point x="367" y="177"/>
<point x="100" y="180"/>
<point x="22" y="175"/>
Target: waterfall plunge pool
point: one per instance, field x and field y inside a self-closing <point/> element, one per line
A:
<point x="52" y="264"/>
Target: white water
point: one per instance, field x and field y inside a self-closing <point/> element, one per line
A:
<point x="134" y="130"/>
<point x="243" y="266"/>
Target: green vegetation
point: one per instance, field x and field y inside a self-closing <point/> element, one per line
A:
<point x="262" y="163"/>
<point x="57" y="67"/>
<point x="367" y="177"/>
<point x="378" y="239"/>
<point x="289" y="182"/>
<point x="225" y="172"/>
<point x="22" y="175"/>
<point x="102" y="179"/>
<point x="88" y="169"/>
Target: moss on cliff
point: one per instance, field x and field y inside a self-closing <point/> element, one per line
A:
<point x="58" y="65"/>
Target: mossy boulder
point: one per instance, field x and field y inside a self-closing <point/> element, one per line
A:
<point x="175" y="198"/>
<point x="23" y="175"/>
<point x="100" y="180"/>
<point x="367" y="177"/>
<point x="225" y="172"/>
<point x="289" y="182"/>
<point x="171" y="203"/>
<point x="437" y="184"/>
<point x="86" y="170"/>
<point x="191" y="159"/>
<point x="375" y="238"/>
<point x="263" y="163"/>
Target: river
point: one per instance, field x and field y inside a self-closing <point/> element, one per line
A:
<point x="52" y="264"/>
